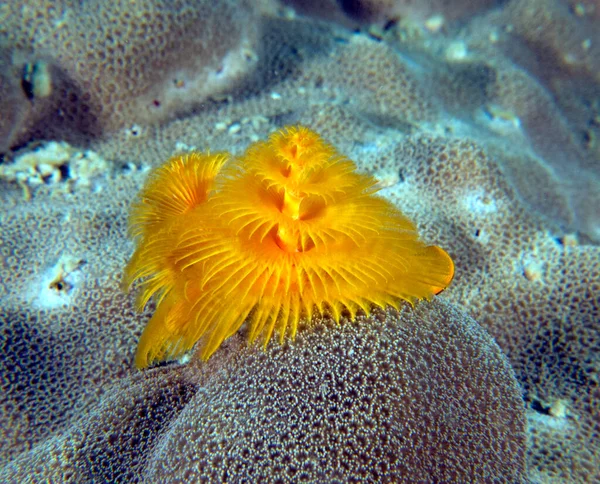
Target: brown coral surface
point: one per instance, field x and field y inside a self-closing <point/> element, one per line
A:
<point x="481" y="124"/>
<point x="121" y="63"/>
<point x="398" y="398"/>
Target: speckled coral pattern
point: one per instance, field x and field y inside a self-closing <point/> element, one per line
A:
<point x="335" y="404"/>
<point x="356" y="404"/>
<point x="398" y="398"/>
<point x="460" y="145"/>
<point x="117" y="64"/>
<point x="55" y="338"/>
<point x="535" y="290"/>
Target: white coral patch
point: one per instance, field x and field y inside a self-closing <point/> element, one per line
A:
<point x="531" y="267"/>
<point x="478" y="203"/>
<point x="43" y="165"/>
<point x="499" y="120"/>
<point x="56" y="287"/>
<point x="540" y="420"/>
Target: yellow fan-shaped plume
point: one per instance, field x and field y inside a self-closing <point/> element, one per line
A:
<point x="175" y="188"/>
<point x="287" y="230"/>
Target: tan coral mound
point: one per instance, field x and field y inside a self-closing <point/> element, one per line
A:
<point x="65" y="327"/>
<point x="502" y="254"/>
<point x="294" y="74"/>
<point x="423" y="394"/>
<point x="546" y="78"/>
<point x="346" y="403"/>
<point x="340" y="399"/>
<point x="116" y="64"/>
<point x="532" y="286"/>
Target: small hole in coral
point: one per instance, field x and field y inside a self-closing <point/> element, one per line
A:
<point x="538" y="407"/>
<point x="390" y="24"/>
<point x="64" y="172"/>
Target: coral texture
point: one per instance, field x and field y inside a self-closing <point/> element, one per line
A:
<point x="120" y="63"/>
<point x="338" y="401"/>
<point x="383" y="11"/>
<point x="536" y="293"/>
<point x="483" y="131"/>
<point x="13" y="101"/>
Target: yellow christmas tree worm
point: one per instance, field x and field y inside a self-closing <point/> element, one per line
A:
<point x="287" y="230"/>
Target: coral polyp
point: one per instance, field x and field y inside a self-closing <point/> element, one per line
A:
<point x="287" y="230"/>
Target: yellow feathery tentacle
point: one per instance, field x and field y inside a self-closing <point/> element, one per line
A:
<point x="287" y="230"/>
<point x="178" y="186"/>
